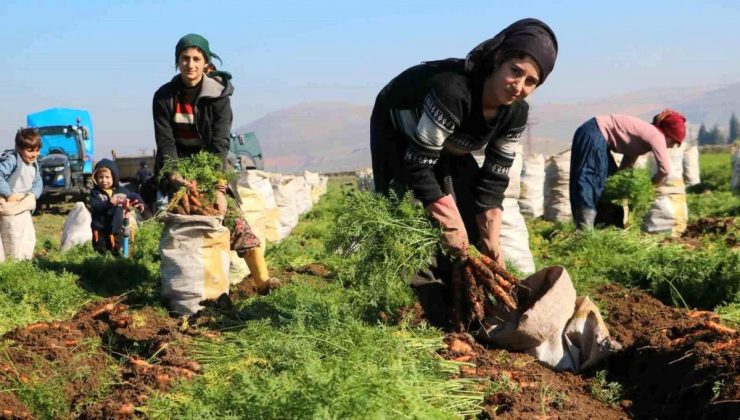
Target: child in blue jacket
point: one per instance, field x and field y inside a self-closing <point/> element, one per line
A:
<point x="107" y="202"/>
<point x="20" y="174"/>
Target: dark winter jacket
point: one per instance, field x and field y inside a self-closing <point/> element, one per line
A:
<point x="104" y="214"/>
<point x="437" y="107"/>
<point x="213" y="118"/>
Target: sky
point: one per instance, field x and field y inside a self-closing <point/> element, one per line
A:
<point x="110" y="57"/>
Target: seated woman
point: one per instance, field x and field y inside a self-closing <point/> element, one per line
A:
<point x="192" y="112"/>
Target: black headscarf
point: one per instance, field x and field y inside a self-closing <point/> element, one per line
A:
<point x="530" y="36"/>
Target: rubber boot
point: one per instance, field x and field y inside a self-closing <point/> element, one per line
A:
<point x="584" y="218"/>
<point x="255" y="259"/>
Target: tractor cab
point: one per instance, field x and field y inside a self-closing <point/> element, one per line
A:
<point x="66" y="151"/>
<point x="245" y="152"/>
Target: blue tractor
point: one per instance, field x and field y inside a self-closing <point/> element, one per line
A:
<point x="66" y="152"/>
<point x="245" y="152"/>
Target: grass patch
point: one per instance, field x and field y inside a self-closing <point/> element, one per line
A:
<point x="610" y="393"/>
<point x="715" y="172"/>
<point x="307" y="350"/>
<point x="304" y="353"/>
<point x="702" y="278"/>
<point x="29" y="293"/>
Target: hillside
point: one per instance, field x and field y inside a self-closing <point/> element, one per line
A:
<point x="334" y="136"/>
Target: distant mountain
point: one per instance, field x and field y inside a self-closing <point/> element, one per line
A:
<point x="556" y="123"/>
<point x="323" y="136"/>
<point x="334" y="136"/>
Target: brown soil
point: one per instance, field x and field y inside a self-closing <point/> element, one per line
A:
<point x="11" y="407"/>
<point x="315" y="269"/>
<point x="718" y="226"/>
<point x="675" y="364"/>
<point x="137" y="351"/>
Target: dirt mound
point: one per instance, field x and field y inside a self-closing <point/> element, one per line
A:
<point x="10" y="406"/>
<point x="138" y="351"/>
<point x="522" y="388"/>
<point x="675" y="364"/>
<point x="717" y="226"/>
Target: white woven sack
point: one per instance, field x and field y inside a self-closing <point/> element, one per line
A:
<point x="259" y="181"/>
<point x="557" y="188"/>
<point x="532" y="191"/>
<point x="515" y="238"/>
<point x="303" y="198"/>
<point x="515" y="174"/>
<point x="691" y="171"/>
<point x="195" y="261"/>
<point x="17" y="233"/>
<point x="669" y="211"/>
<point x="365" y="180"/>
<point x="286" y="190"/>
<point x="77" y="229"/>
<point x="735" y="183"/>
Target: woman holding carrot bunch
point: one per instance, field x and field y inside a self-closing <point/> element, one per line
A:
<point x="192" y="113"/>
<point x="429" y="119"/>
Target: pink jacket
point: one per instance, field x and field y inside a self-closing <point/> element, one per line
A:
<point x="633" y="137"/>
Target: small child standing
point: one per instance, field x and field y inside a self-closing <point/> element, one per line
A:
<point x="107" y="201"/>
<point x="20" y="187"/>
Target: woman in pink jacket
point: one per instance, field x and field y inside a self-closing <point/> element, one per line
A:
<point x="591" y="163"/>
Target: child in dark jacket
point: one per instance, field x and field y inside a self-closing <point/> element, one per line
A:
<point x="107" y="202"/>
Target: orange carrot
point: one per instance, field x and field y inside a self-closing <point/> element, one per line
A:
<point x="140" y="363"/>
<point x="735" y="342"/>
<point x="700" y="314"/>
<point x="480" y="268"/>
<point x="718" y="328"/>
<point x="37" y="326"/>
<point x="103" y="309"/>
<point x="126" y="410"/>
<point x="194" y="201"/>
<point x="496" y="268"/>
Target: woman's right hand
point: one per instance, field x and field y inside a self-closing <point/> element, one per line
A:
<point x="454" y="235"/>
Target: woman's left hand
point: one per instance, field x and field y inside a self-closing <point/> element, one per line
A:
<point x="489" y="226"/>
<point x="497" y="254"/>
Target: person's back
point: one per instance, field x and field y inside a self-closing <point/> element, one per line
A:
<point x="142" y="175"/>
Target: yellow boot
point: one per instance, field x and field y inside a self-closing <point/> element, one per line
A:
<point x="255" y="259"/>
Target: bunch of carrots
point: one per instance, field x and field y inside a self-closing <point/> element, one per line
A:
<point x="185" y="199"/>
<point x="474" y="280"/>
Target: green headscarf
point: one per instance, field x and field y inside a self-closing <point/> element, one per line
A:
<point x="195" y="40"/>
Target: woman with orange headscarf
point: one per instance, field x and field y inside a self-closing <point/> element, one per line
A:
<point x="591" y="163"/>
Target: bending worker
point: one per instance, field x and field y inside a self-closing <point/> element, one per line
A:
<point x="428" y="120"/>
<point x="591" y="163"/>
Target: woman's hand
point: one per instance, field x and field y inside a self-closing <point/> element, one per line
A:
<point x="454" y="235"/>
<point x="221" y="186"/>
<point x="489" y="226"/>
<point x="220" y="202"/>
<point x="497" y="254"/>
